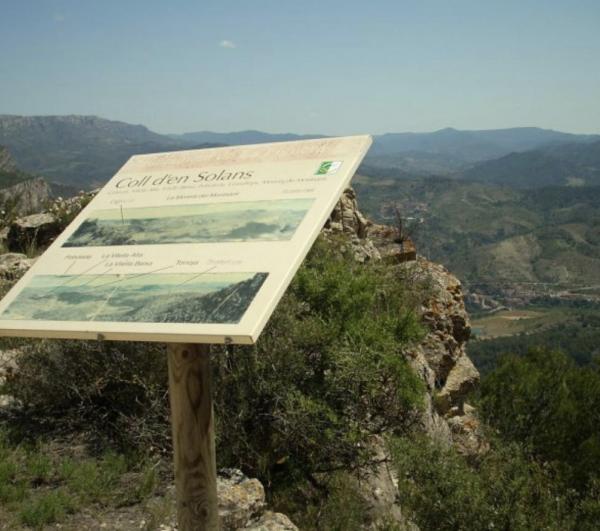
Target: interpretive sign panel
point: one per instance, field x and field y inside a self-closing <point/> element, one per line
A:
<point x="191" y="246"/>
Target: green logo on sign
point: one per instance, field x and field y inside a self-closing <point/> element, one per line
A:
<point x="328" y="167"/>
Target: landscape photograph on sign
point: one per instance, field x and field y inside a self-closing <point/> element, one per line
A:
<point x="274" y="220"/>
<point x="217" y="298"/>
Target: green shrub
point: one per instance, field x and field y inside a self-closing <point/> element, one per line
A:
<point x="334" y="506"/>
<point x="327" y="371"/>
<point x="116" y="392"/>
<point x="41" y="484"/>
<point x="551" y="406"/>
<point x="46" y="508"/>
<point x="441" y="490"/>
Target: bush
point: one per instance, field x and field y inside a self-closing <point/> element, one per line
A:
<point x="115" y="392"/>
<point x="552" y="406"/>
<point x="327" y="371"/>
<point x="506" y="489"/>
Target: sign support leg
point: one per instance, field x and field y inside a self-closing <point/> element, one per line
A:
<point x="190" y="392"/>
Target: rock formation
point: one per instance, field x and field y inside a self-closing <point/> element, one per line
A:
<point x="25" y="198"/>
<point x="440" y="359"/>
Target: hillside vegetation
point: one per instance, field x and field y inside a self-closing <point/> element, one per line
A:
<point x="497" y="236"/>
<point x="559" y="165"/>
<point x="82" y="151"/>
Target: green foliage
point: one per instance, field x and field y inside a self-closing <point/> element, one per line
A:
<point x="336" y="506"/>
<point x="552" y="407"/>
<point x="327" y="371"/>
<point x="496" y="235"/>
<point x="577" y="335"/>
<point x="505" y="489"/>
<point x="40" y="486"/>
<point x="45" y="508"/>
<point x="114" y="391"/>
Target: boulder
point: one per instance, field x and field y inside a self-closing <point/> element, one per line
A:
<point x="241" y="505"/>
<point x="30" y="233"/>
<point x="270" y="521"/>
<point x="240" y="498"/>
<point x="346" y="217"/>
<point x="13" y="265"/>
<point x="462" y="379"/>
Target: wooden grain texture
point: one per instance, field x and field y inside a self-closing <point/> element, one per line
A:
<point x="193" y="437"/>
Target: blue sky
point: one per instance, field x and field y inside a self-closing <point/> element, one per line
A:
<point x="330" y="67"/>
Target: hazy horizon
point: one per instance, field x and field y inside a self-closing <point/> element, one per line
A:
<point x="301" y="133"/>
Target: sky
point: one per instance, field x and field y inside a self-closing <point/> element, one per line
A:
<point x="327" y="66"/>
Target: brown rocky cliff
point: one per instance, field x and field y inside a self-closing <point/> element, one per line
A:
<point x="440" y="359"/>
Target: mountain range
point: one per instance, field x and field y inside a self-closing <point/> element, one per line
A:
<point x="85" y="151"/>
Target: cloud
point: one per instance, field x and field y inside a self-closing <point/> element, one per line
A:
<point x="227" y="44"/>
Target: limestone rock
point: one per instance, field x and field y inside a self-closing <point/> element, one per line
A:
<point x="369" y="241"/>
<point x="241" y="505"/>
<point x="378" y="486"/>
<point x="7" y="163"/>
<point x="26" y="197"/>
<point x="440" y="359"/>
<point x="467" y="433"/>
<point x="270" y="521"/>
<point x="240" y="498"/>
<point x="346" y="217"/>
<point x="33" y="232"/>
<point x="462" y="379"/>
<point x="13" y="265"/>
<point x="393" y="246"/>
<point x="8" y="367"/>
<point x="444" y="315"/>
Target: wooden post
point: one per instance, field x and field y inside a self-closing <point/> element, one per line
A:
<point x="193" y="437"/>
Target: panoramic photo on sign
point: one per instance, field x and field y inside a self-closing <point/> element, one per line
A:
<point x="195" y="246"/>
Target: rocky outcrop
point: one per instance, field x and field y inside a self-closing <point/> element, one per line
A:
<point x="242" y="505"/>
<point x="13" y="266"/>
<point x="378" y="486"/>
<point x="369" y="240"/>
<point x="440" y="359"/>
<point x="25" y="198"/>
<point x="32" y="232"/>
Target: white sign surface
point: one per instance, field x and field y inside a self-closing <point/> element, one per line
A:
<point x="189" y="246"/>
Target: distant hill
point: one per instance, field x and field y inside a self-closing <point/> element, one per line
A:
<point x="496" y="235"/>
<point x="417" y="163"/>
<point x="447" y="145"/>
<point x="473" y="146"/>
<point x="85" y="151"/>
<point x="78" y="150"/>
<point x="239" y="138"/>
<point x="574" y="164"/>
